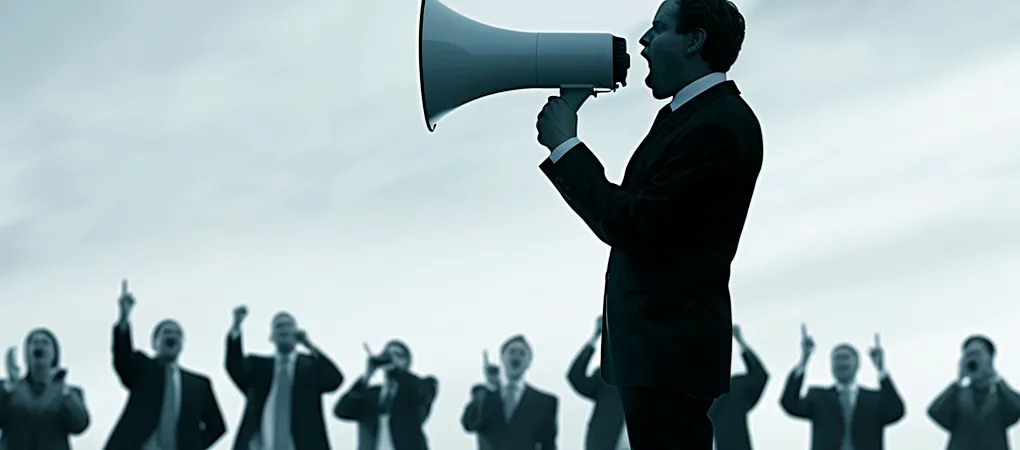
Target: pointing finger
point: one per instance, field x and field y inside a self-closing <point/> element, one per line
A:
<point x="123" y="287"/>
<point x="878" y="340"/>
<point x="368" y="350"/>
<point x="803" y="330"/>
<point x="485" y="357"/>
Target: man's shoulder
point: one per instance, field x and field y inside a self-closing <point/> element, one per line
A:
<point x="543" y="395"/>
<point x="195" y="376"/>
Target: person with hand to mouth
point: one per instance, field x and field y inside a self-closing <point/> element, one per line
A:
<point x="505" y="412"/>
<point x="40" y="410"/>
<point x="978" y="408"/>
<point x="168" y="407"/>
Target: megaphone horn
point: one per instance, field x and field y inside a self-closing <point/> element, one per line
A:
<point x="461" y="60"/>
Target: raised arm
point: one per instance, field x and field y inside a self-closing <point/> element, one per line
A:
<point x="891" y="408"/>
<point x="705" y="160"/>
<point x="549" y="428"/>
<point x="749" y="386"/>
<point x="585" y="385"/>
<point x="213" y="426"/>
<point x="792" y="402"/>
<point x="328" y="377"/>
<point x="74" y="415"/>
<point x="238" y="365"/>
<point x="127" y="362"/>
<point x="428" y="389"/>
<point x="354" y="404"/>
<point x="1009" y="403"/>
<point x="478" y="414"/>
<point x="943" y="410"/>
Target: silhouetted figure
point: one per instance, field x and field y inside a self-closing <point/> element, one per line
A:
<point x="729" y="412"/>
<point x="979" y="407"/>
<point x="510" y="414"/>
<point x="168" y="407"/>
<point x="40" y="411"/>
<point x="673" y="224"/>
<point x="606" y="428"/>
<point x="283" y="393"/>
<point x="390" y="416"/>
<point x="844" y="416"/>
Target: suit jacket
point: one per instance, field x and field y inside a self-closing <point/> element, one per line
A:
<point x="607" y="421"/>
<point x="314" y="375"/>
<point x="874" y="411"/>
<point x="47" y="419"/>
<point x="200" y="423"/>
<point x="412" y="404"/>
<point x="971" y="427"/>
<point x="532" y="426"/>
<point x="729" y="412"/>
<point x="673" y="225"/>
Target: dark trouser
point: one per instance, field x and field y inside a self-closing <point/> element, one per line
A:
<point x="660" y="419"/>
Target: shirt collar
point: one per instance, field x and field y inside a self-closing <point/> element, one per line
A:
<point x="695" y="88"/>
<point x="286" y="358"/>
<point x="518" y="385"/>
<point x="850" y="387"/>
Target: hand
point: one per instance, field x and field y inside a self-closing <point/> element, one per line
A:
<point x="302" y="338"/>
<point x="877" y="354"/>
<point x="126" y="302"/>
<point x="240" y="313"/>
<point x="738" y="335"/>
<point x="557" y="122"/>
<point x="13" y="371"/>
<point x="490" y="370"/>
<point x="807" y="344"/>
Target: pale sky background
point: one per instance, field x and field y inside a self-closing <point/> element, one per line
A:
<point x="274" y="154"/>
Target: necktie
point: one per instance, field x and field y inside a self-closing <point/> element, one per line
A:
<point x="848" y="411"/>
<point x="167" y="436"/>
<point x="282" y="407"/>
<point x="386" y="400"/>
<point x="510" y="401"/>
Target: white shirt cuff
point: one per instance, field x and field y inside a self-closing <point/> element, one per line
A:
<point x="563" y="148"/>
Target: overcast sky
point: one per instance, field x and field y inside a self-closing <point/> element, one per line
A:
<point x="274" y="154"/>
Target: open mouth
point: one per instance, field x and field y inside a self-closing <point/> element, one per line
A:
<point x="515" y="364"/>
<point x="37" y="353"/>
<point x="170" y="342"/>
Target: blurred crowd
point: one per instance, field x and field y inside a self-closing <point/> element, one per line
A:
<point x="170" y="407"/>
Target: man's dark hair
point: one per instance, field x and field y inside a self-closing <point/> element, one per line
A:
<point x="847" y="347"/>
<point x="724" y="30"/>
<point x="161" y="325"/>
<point x="980" y="339"/>
<point x="515" y="338"/>
<point x="402" y="346"/>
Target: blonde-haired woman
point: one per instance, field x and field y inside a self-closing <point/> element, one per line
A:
<point x="40" y="411"/>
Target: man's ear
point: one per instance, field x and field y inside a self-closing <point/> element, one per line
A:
<point x="695" y="41"/>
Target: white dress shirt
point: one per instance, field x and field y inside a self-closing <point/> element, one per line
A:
<point x="384" y="440"/>
<point x="685" y="95"/>
<point x="502" y="391"/>
<point x="851" y="389"/>
<point x="269" y="409"/>
<point x="175" y="377"/>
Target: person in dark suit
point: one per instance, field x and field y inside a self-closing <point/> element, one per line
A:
<point x="40" y="411"/>
<point x="390" y="416"/>
<point x="606" y="427"/>
<point x="844" y="416"/>
<point x="979" y="407"/>
<point x="283" y="393"/>
<point x="168" y="407"/>
<point x="673" y="224"/>
<point x="729" y="412"/>
<point x="510" y="414"/>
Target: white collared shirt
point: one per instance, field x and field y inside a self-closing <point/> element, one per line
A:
<point x="175" y="377"/>
<point x="851" y="389"/>
<point x="269" y="410"/>
<point x="685" y="95"/>
<point x="384" y="439"/>
<point x="518" y="393"/>
<point x="624" y="442"/>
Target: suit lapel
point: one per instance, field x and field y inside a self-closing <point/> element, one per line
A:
<point x="524" y="402"/>
<point x="664" y="132"/>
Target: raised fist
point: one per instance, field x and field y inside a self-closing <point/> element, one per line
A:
<point x="126" y="302"/>
<point x="240" y="313"/>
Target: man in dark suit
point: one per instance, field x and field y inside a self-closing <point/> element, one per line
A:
<point x="391" y="416"/>
<point x="510" y="414"/>
<point x="729" y="412"/>
<point x="673" y="224"/>
<point x="169" y="408"/>
<point x="844" y="416"/>
<point x="979" y="407"/>
<point x="283" y="392"/>
<point x="606" y="428"/>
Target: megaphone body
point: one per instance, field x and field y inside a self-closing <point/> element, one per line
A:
<point x="461" y="60"/>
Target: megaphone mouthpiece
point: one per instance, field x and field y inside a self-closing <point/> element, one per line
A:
<point x="461" y="60"/>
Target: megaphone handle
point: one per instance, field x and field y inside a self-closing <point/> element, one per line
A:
<point x="575" y="97"/>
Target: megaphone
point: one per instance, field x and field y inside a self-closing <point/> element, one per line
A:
<point x="461" y="60"/>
